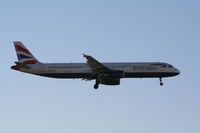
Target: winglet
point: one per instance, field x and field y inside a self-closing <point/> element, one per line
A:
<point x="84" y="55"/>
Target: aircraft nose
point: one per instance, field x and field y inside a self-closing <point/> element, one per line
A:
<point x="178" y="71"/>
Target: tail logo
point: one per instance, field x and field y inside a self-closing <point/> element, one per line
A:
<point x="23" y="54"/>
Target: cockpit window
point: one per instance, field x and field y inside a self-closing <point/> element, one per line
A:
<point x="170" y="66"/>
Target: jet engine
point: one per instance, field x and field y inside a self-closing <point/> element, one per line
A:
<point x="110" y="81"/>
<point x="114" y="74"/>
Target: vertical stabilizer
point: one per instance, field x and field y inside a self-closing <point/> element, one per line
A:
<point x="23" y="54"/>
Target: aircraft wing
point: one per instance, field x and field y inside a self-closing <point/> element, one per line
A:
<point x="97" y="67"/>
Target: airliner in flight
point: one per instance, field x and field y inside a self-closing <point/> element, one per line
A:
<point x="102" y="73"/>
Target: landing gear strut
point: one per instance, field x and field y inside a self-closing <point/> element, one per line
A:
<point x="161" y="83"/>
<point x="96" y="86"/>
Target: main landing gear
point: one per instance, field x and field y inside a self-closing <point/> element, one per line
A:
<point x="161" y="83"/>
<point x="96" y="86"/>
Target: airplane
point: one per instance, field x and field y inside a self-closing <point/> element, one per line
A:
<point x="102" y="73"/>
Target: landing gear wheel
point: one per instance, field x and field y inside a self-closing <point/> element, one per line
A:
<point x="96" y="86"/>
<point x="161" y="83"/>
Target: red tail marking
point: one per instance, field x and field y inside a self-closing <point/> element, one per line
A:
<point x="15" y="67"/>
<point x="19" y="48"/>
<point x="30" y="62"/>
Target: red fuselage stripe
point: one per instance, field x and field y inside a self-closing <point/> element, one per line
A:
<point x="157" y="64"/>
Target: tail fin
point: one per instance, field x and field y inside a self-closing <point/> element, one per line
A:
<point x="23" y="54"/>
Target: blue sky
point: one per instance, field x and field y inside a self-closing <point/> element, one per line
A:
<point x="109" y="30"/>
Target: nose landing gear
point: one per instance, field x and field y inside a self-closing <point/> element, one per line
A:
<point x="161" y="83"/>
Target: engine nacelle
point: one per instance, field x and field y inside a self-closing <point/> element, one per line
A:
<point x="114" y="74"/>
<point x="110" y="81"/>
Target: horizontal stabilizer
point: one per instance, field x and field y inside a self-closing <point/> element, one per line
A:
<point x="21" y="65"/>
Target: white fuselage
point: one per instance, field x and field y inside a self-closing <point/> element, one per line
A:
<point x="103" y="73"/>
<point x="82" y="70"/>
